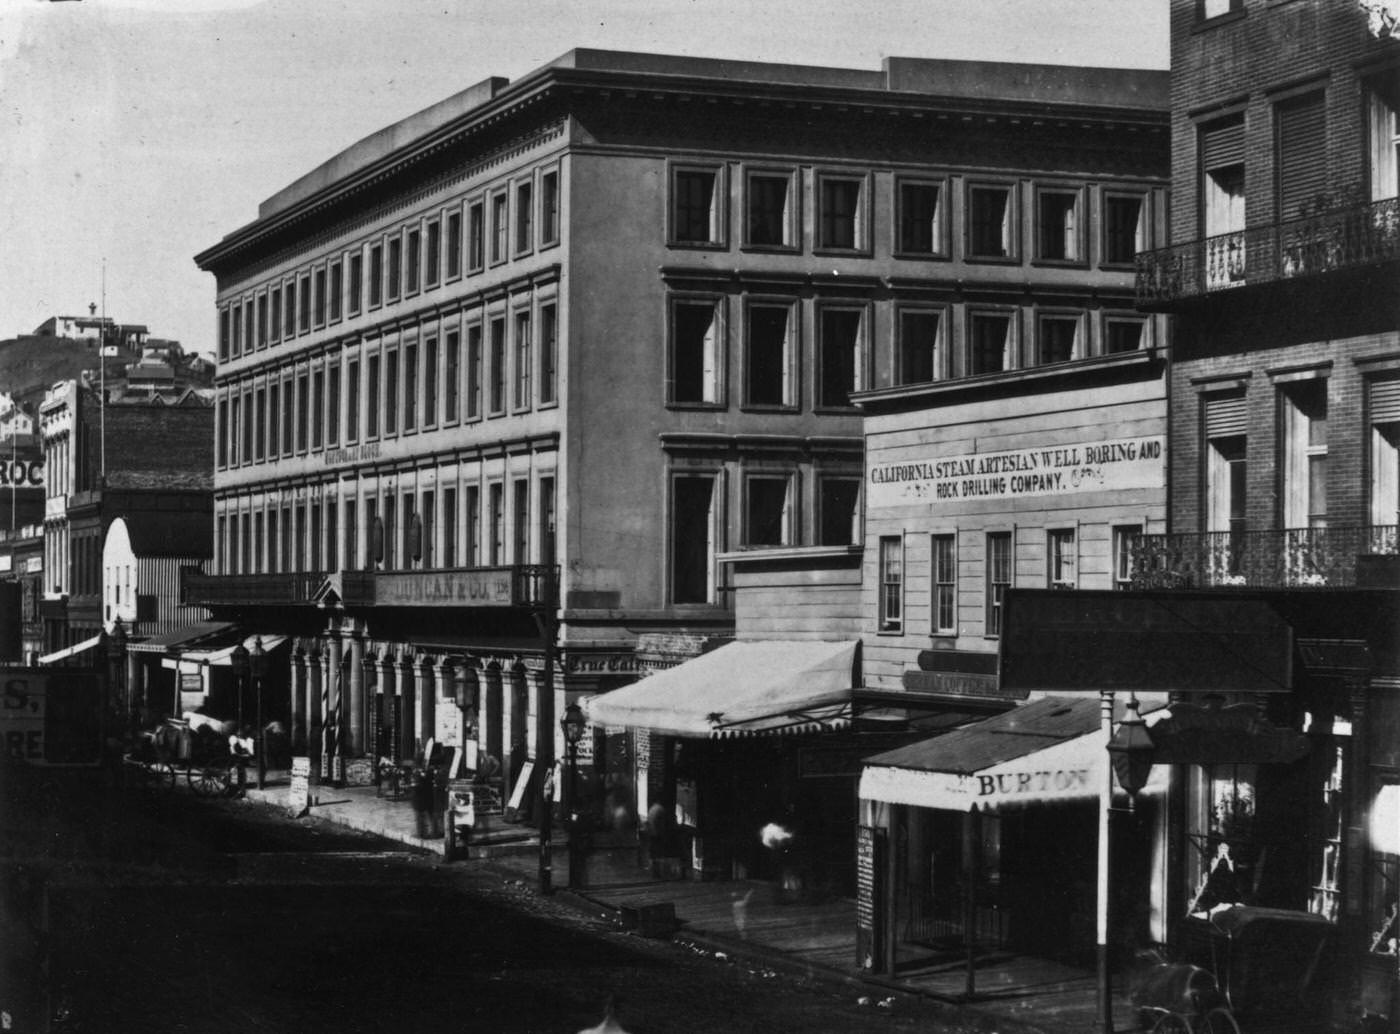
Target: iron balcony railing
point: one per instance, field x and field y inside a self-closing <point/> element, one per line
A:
<point x="1294" y="558"/>
<point x="1338" y="238"/>
<point x="211" y="590"/>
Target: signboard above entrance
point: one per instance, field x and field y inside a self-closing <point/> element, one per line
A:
<point x="1177" y="642"/>
<point x="1071" y="469"/>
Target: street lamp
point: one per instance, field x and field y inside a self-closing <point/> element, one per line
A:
<point x="257" y="662"/>
<point x="573" y="723"/>
<point x="1131" y="750"/>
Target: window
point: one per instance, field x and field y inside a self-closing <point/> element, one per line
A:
<point x="841" y="215"/>
<point x="451" y="380"/>
<point x="768" y="216"/>
<point x="1383" y="110"/>
<point x="320" y="297"/>
<point x="432" y="257"/>
<point x="274" y="408"/>
<point x="1124" y="335"/>
<point x="1124" y="539"/>
<point x="272" y="539"/>
<point x="693" y="539"/>
<point x="476" y="236"/>
<point x="695" y="207"/>
<point x="374" y="535"/>
<point x="918" y="347"/>
<point x="920" y="218"/>
<point x="1304" y="461"/>
<point x="315" y="542"/>
<point x="1225" y="476"/>
<point x="891" y="616"/>
<point x="415" y="257"/>
<point x="248" y="422"/>
<point x="998" y="577"/>
<point x="350" y="554"/>
<point x="454" y="245"/>
<point x="393" y="283"/>
<point x="391" y="391"/>
<point x="1057" y="339"/>
<point x="768" y="359"/>
<point x="288" y="539"/>
<point x="1222" y="201"/>
<point x="549" y="208"/>
<point x="497" y="372"/>
<point x="357" y="275"/>
<point x="289" y="326"/>
<point x="1300" y="141"/>
<point x="428" y="530"/>
<point x="838" y="511"/>
<point x="549" y="354"/>
<point x="1215" y="8"/>
<point x="333" y="404"/>
<point x="376" y="275"/>
<point x="411" y="530"/>
<point x="696" y="351"/>
<point x="388" y="512"/>
<point x="262" y="321"/>
<point x="1058" y="226"/>
<point x="352" y="400"/>
<point x="299" y="544"/>
<point x="304" y="305"/>
<point x="237" y="321"/>
<point x="410" y="386"/>
<point x="1124" y="228"/>
<point x="1060" y="556"/>
<point x="318" y="407"/>
<point x="1383" y="406"/>
<point x="260" y="425"/>
<point x="520" y="513"/>
<point x="546" y="526"/>
<point x="235" y="429"/>
<point x="274" y="316"/>
<point x="840" y="344"/>
<point x="524" y="216"/>
<point x="249" y="326"/>
<point x="767" y="511"/>
<point x="991" y="222"/>
<point x="500" y="226"/>
<point x="303" y="410"/>
<point x="372" y="400"/>
<point x="225" y="335"/>
<point x="222" y="437"/>
<point x="471" y="527"/>
<point x="449" y="527"/>
<point x="989" y="343"/>
<point x="944" y="578"/>
<point x="474" y="371"/>
<point x="337" y="289"/>
<point x="523" y="362"/>
<point x="498" y="524"/>
<point x="430" y="382"/>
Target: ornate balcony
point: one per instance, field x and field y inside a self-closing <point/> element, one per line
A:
<point x="1295" y="558"/>
<point x="1332" y="239"/>
<point x="522" y="585"/>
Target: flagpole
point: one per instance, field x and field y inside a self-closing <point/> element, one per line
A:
<point x="102" y="375"/>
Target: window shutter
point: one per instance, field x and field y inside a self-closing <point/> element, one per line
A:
<point x="1222" y="145"/>
<point x="1225" y="416"/>
<point x="1302" y="155"/>
<point x="1385" y="401"/>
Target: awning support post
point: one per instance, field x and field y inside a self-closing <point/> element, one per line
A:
<point x="972" y="867"/>
<point x="1105" y="990"/>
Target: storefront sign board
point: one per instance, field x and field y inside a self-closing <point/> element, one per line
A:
<point x="299" y="796"/>
<point x="870" y="843"/>
<point x="1107" y="465"/>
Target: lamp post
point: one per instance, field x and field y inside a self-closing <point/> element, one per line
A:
<point x="1131" y="750"/>
<point x="573" y="723"/>
<point x="257" y="663"/>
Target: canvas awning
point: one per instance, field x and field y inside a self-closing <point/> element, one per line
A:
<point x="1050" y="749"/>
<point x="70" y="651"/>
<point x="163" y="641"/>
<point x="770" y="687"/>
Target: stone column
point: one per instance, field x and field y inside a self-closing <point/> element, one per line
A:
<point x="488" y="715"/>
<point x="314" y="672"/>
<point x="403" y="693"/>
<point x="354" y="716"/>
<point x="300" y="717"/>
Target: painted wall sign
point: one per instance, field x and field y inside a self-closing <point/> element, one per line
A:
<point x="299" y="796"/>
<point x="21" y="474"/>
<point x="350" y="454"/>
<point x="485" y="587"/>
<point x="869" y="864"/>
<point x="1095" y="466"/>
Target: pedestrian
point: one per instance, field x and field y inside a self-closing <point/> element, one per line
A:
<point x="423" y="800"/>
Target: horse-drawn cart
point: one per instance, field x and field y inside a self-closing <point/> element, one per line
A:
<point x="199" y="745"/>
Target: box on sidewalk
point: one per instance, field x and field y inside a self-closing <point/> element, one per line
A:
<point x="657" y="920"/>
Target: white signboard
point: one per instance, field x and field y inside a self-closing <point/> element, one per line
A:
<point x="1096" y="466"/>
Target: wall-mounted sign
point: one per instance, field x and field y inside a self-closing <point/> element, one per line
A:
<point x="480" y="587"/>
<point x="21" y="474"/>
<point x="1099" y="466"/>
<point x="351" y="454"/>
<point x="870" y="844"/>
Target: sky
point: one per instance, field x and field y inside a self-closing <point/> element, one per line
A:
<point x="136" y="133"/>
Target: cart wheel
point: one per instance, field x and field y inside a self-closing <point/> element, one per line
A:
<point x="1173" y="1023"/>
<point x="1218" y="1021"/>
<point x="209" y="780"/>
<point x="161" y="775"/>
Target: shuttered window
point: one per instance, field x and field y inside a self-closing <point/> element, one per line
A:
<point x="1222" y="144"/>
<point x="1225" y="415"/>
<point x="1302" y="155"/>
<point x="1385" y="402"/>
